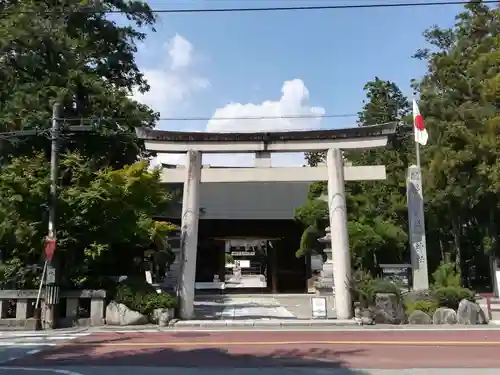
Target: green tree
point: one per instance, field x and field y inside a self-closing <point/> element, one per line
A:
<point x="460" y="101"/>
<point x="376" y="209"/>
<point x="71" y="51"/>
<point x="104" y="215"/>
<point x="76" y="53"/>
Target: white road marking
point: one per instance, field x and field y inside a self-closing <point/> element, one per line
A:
<point x="40" y="370"/>
<point x="25" y="344"/>
<point x="28" y="334"/>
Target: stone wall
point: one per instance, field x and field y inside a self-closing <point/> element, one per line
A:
<point x="75" y="308"/>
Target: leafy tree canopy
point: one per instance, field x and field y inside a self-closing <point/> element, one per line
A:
<point x="459" y="96"/>
<point x="99" y="211"/>
<point x="75" y="53"/>
<point x="376" y="210"/>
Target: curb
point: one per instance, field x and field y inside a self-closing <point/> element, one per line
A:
<point x="262" y="323"/>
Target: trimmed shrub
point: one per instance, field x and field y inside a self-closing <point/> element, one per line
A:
<point x="446" y="276"/>
<point x="451" y="296"/>
<point x="427" y="306"/>
<point x="364" y="288"/>
<point x="386" y="286"/>
<point x="140" y="296"/>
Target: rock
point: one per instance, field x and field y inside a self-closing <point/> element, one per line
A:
<point x="444" y="315"/>
<point x="162" y="316"/>
<point x="470" y="313"/>
<point x="363" y="316"/>
<point x="483" y="319"/>
<point x="117" y="314"/>
<point x="389" y="309"/>
<point x="419" y="317"/>
<point x="358" y="312"/>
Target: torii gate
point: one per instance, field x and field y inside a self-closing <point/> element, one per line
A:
<point x="263" y="144"/>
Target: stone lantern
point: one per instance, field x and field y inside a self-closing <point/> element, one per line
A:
<point x="325" y="284"/>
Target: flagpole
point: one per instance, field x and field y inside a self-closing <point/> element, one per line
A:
<point x="417" y="145"/>
<point x="417" y="150"/>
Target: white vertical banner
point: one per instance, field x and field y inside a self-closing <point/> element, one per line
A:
<point x="418" y="248"/>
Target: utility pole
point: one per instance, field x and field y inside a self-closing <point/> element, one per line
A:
<point x="49" y="275"/>
<point x="52" y="289"/>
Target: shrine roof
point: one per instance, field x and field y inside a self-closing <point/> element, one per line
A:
<point x="168" y="136"/>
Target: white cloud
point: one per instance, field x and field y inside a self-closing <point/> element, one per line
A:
<point x="175" y="81"/>
<point x="180" y="51"/>
<point x="294" y="101"/>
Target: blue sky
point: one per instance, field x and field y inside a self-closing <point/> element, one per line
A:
<point x="246" y="58"/>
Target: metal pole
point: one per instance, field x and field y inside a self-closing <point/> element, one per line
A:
<point x="41" y="285"/>
<point x="38" y="311"/>
<point x="54" y="156"/>
<point x="417" y="150"/>
<point x="54" y="159"/>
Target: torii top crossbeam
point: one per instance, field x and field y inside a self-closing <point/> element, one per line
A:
<point x="165" y="141"/>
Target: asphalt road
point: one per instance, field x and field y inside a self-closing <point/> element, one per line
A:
<point x="14" y="345"/>
<point x="272" y="352"/>
<point x="237" y="371"/>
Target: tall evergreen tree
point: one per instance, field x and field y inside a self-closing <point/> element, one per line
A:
<point x="73" y="52"/>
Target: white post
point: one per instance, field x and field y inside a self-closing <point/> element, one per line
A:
<point x="418" y="248"/>
<point x="339" y="235"/>
<point x="189" y="233"/>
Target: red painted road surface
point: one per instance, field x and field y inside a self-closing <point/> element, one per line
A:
<point x="355" y="349"/>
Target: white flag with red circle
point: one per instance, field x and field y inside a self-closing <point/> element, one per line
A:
<point x="421" y="135"/>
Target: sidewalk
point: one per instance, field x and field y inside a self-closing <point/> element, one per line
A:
<point x="319" y="325"/>
<point x="262" y="323"/>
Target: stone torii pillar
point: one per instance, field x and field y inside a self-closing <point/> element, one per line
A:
<point x="189" y="234"/>
<point x="339" y="236"/>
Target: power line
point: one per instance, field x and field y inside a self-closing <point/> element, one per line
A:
<point x="320" y="7"/>
<point x="98" y="119"/>
<point x="242" y="118"/>
<point x="277" y="9"/>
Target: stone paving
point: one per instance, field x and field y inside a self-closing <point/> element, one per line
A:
<point x="300" y="305"/>
<point x="279" y="306"/>
<point x="246" y="281"/>
<point x="240" y="308"/>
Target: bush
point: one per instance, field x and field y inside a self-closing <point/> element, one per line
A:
<point x="451" y="296"/>
<point x="417" y="295"/>
<point x="386" y="286"/>
<point x="427" y="306"/>
<point x="364" y="288"/>
<point x="446" y="276"/>
<point x="140" y="296"/>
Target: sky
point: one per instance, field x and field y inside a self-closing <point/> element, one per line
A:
<point x="261" y="64"/>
